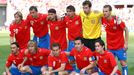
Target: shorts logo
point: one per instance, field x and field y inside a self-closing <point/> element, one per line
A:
<point x="56" y="28"/>
<point x="32" y="22"/>
<point x="76" y="22"/>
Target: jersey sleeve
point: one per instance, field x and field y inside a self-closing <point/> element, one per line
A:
<point x="72" y="52"/>
<point x="50" y="61"/>
<point x="46" y="52"/>
<point x="28" y="21"/>
<point x="9" y="61"/>
<point x="11" y="30"/>
<point x="112" y="60"/>
<point x="91" y="56"/>
<point x="122" y="25"/>
<point x="64" y="58"/>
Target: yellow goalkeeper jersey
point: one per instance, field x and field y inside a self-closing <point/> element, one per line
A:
<point x="91" y="24"/>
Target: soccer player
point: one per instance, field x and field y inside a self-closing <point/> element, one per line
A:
<point x="18" y="29"/>
<point x="105" y="60"/>
<point x="91" y="25"/>
<point x="38" y="22"/>
<point x="83" y="57"/>
<point x="117" y="43"/>
<point x="58" y="63"/>
<point x="74" y="26"/>
<point x="37" y="57"/>
<point x="57" y="29"/>
<point x="16" y="57"/>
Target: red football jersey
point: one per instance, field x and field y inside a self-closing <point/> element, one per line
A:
<point x="82" y="58"/>
<point x="114" y="33"/>
<point x="21" y="32"/>
<point x="56" y="61"/>
<point x="39" y="58"/>
<point x="39" y="24"/>
<point x="58" y="33"/>
<point x="74" y="26"/>
<point x="16" y="59"/>
<point x="106" y="62"/>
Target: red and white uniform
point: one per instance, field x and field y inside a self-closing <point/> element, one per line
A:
<point x="39" y="58"/>
<point x="106" y="62"/>
<point x="114" y="33"/>
<point x="74" y="26"/>
<point x="39" y="24"/>
<point x="58" y="33"/>
<point x="82" y="58"/>
<point x="56" y="61"/>
<point x="21" y="32"/>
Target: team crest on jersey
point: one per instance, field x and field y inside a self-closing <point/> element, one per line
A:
<point x="66" y="22"/>
<point x="41" y="57"/>
<point x="56" y="28"/>
<point x="25" y="27"/>
<point x="32" y="22"/>
<point x="42" y="22"/>
<point x="20" y="27"/>
<point x="105" y="61"/>
<point x="31" y="59"/>
<point x="92" y="21"/>
<point x="76" y="22"/>
<point x="114" y="27"/>
<point x="85" y="58"/>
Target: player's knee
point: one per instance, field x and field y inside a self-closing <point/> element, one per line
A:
<point x="26" y="69"/>
<point x="43" y="69"/>
<point x="123" y="63"/>
<point x="4" y="73"/>
<point x="62" y="73"/>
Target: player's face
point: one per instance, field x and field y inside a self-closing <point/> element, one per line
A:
<point x="106" y="12"/>
<point x="32" y="48"/>
<point x="98" y="47"/>
<point x="33" y="13"/>
<point x="14" y="49"/>
<point x="86" y="9"/>
<point x="78" y="45"/>
<point x="51" y="16"/>
<point x="17" y="18"/>
<point x="70" y="13"/>
<point x="55" y="51"/>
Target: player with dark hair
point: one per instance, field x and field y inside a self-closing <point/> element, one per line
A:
<point x="118" y="45"/>
<point x="57" y="29"/>
<point x="91" y="24"/>
<point x="38" y="22"/>
<point x="105" y="60"/>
